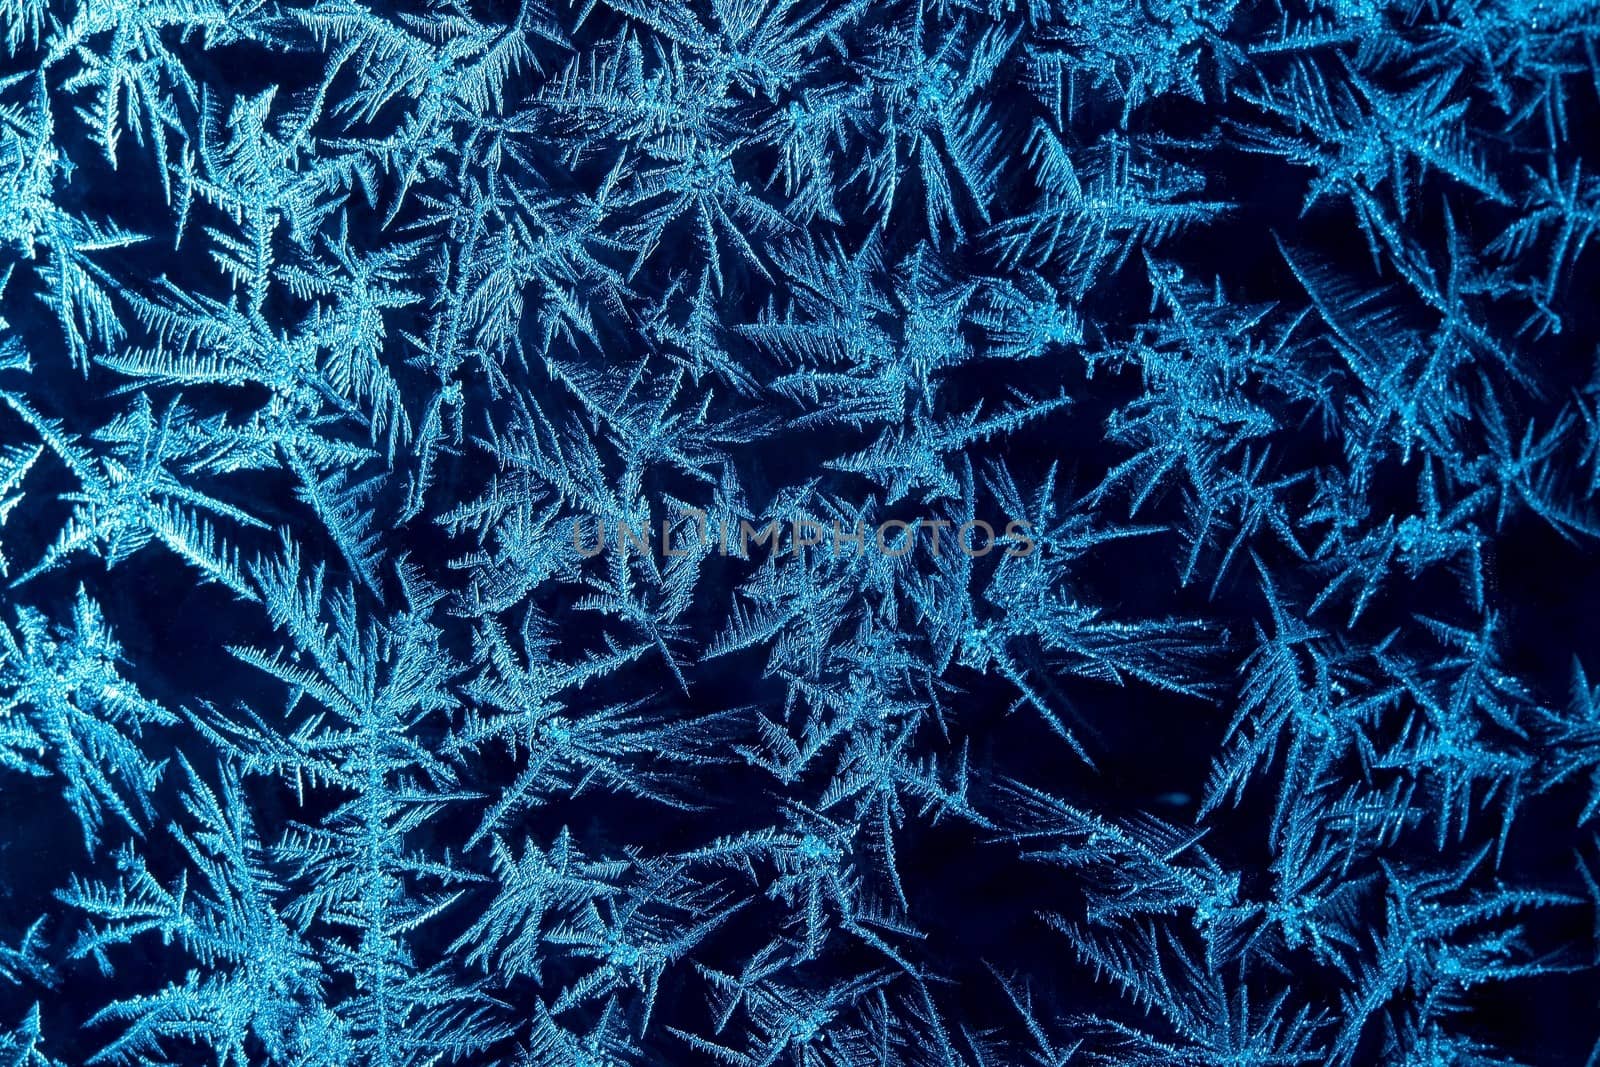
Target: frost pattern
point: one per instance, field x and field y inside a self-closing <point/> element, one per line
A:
<point x="399" y="665"/>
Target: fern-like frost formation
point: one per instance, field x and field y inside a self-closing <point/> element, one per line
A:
<point x="942" y="533"/>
